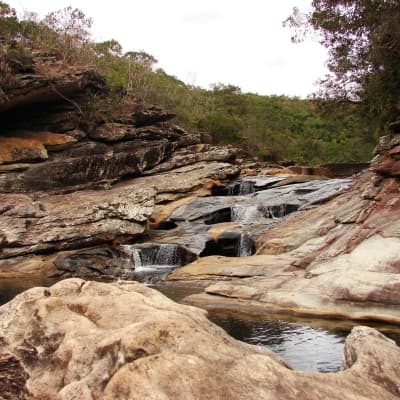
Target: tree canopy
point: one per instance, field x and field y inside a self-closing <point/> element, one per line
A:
<point x="267" y="127"/>
<point x="363" y="38"/>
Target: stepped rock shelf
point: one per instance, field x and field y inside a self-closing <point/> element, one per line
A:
<point x="338" y="260"/>
<point x="86" y="191"/>
<point x="69" y="182"/>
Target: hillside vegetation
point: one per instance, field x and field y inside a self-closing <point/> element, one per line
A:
<point x="267" y="127"/>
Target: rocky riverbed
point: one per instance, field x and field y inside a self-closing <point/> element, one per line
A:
<point x="121" y="340"/>
<point x="337" y="260"/>
<point x="118" y="195"/>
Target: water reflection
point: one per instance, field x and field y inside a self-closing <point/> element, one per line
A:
<point x="305" y="348"/>
<point x="306" y="344"/>
<point x="9" y="288"/>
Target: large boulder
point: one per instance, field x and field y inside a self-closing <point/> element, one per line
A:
<point x="90" y="340"/>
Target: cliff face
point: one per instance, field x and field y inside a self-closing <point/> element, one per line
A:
<point x="71" y="152"/>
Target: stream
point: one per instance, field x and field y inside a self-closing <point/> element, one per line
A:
<point x="242" y="209"/>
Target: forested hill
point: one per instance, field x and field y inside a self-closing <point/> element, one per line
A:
<point x="267" y="127"/>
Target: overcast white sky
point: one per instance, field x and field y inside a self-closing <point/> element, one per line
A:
<point x="203" y="42"/>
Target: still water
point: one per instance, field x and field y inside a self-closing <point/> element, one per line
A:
<point x="306" y="344"/>
<point x="303" y="346"/>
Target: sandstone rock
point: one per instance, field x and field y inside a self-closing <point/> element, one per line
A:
<point x="56" y="86"/>
<point x="91" y="340"/>
<point x="389" y="167"/>
<point x="89" y="166"/>
<point x="70" y="221"/>
<point x="26" y="146"/>
<point x="148" y="115"/>
<point x="86" y="218"/>
<point x="340" y="259"/>
<point x="191" y="155"/>
<point x="181" y="181"/>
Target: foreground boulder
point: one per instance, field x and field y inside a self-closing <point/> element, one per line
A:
<point x="89" y="340"/>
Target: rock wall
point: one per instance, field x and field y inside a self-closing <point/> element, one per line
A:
<point x="72" y="157"/>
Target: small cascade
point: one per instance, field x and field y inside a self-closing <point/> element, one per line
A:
<point x="151" y="259"/>
<point x="280" y="210"/>
<point x="241" y="188"/>
<point x="135" y="255"/>
<point x="238" y="188"/>
<point x="231" y="245"/>
<point x="156" y="255"/>
<point x="246" y="246"/>
<point x="244" y="214"/>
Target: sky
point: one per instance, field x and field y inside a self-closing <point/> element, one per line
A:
<point x="236" y="42"/>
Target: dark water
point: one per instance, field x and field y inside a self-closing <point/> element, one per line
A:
<point x="306" y="344"/>
<point x="305" y="347"/>
<point x="9" y="288"/>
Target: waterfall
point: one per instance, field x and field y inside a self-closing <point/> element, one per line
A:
<point x="155" y="255"/>
<point x="245" y="247"/>
<point x="244" y="214"/>
<point x="280" y="210"/>
<point x="135" y="255"/>
<point x="153" y="259"/>
<point x="240" y="188"/>
<point x="246" y="187"/>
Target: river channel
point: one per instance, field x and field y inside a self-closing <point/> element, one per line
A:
<point x="306" y="344"/>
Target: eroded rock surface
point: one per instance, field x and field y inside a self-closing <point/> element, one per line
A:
<point x="340" y="259"/>
<point x="91" y="340"/>
<point x="72" y="159"/>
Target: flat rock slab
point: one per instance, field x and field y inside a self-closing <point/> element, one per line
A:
<point x="340" y="259"/>
<point x="91" y="340"/>
<point x="73" y="220"/>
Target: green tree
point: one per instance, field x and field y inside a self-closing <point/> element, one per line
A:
<point x="363" y="38"/>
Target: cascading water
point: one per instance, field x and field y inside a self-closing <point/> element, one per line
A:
<point x="244" y="214"/>
<point x="153" y="259"/>
<point x="246" y="246"/>
<point x="241" y="188"/>
<point x="280" y="210"/>
<point x="156" y="256"/>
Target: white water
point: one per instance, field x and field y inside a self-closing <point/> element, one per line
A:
<point x="245" y="245"/>
<point x="244" y="214"/>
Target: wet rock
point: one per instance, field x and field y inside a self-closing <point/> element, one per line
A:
<point x="123" y="340"/>
<point x="339" y="259"/>
<point x="92" y="262"/>
<point x="151" y="261"/>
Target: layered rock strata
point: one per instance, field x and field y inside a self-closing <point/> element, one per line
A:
<point x="91" y="340"/>
<point x="73" y="156"/>
<point x="340" y="259"/>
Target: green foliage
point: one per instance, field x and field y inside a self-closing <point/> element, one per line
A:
<point x="224" y="127"/>
<point x="267" y="127"/>
<point x="363" y="38"/>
